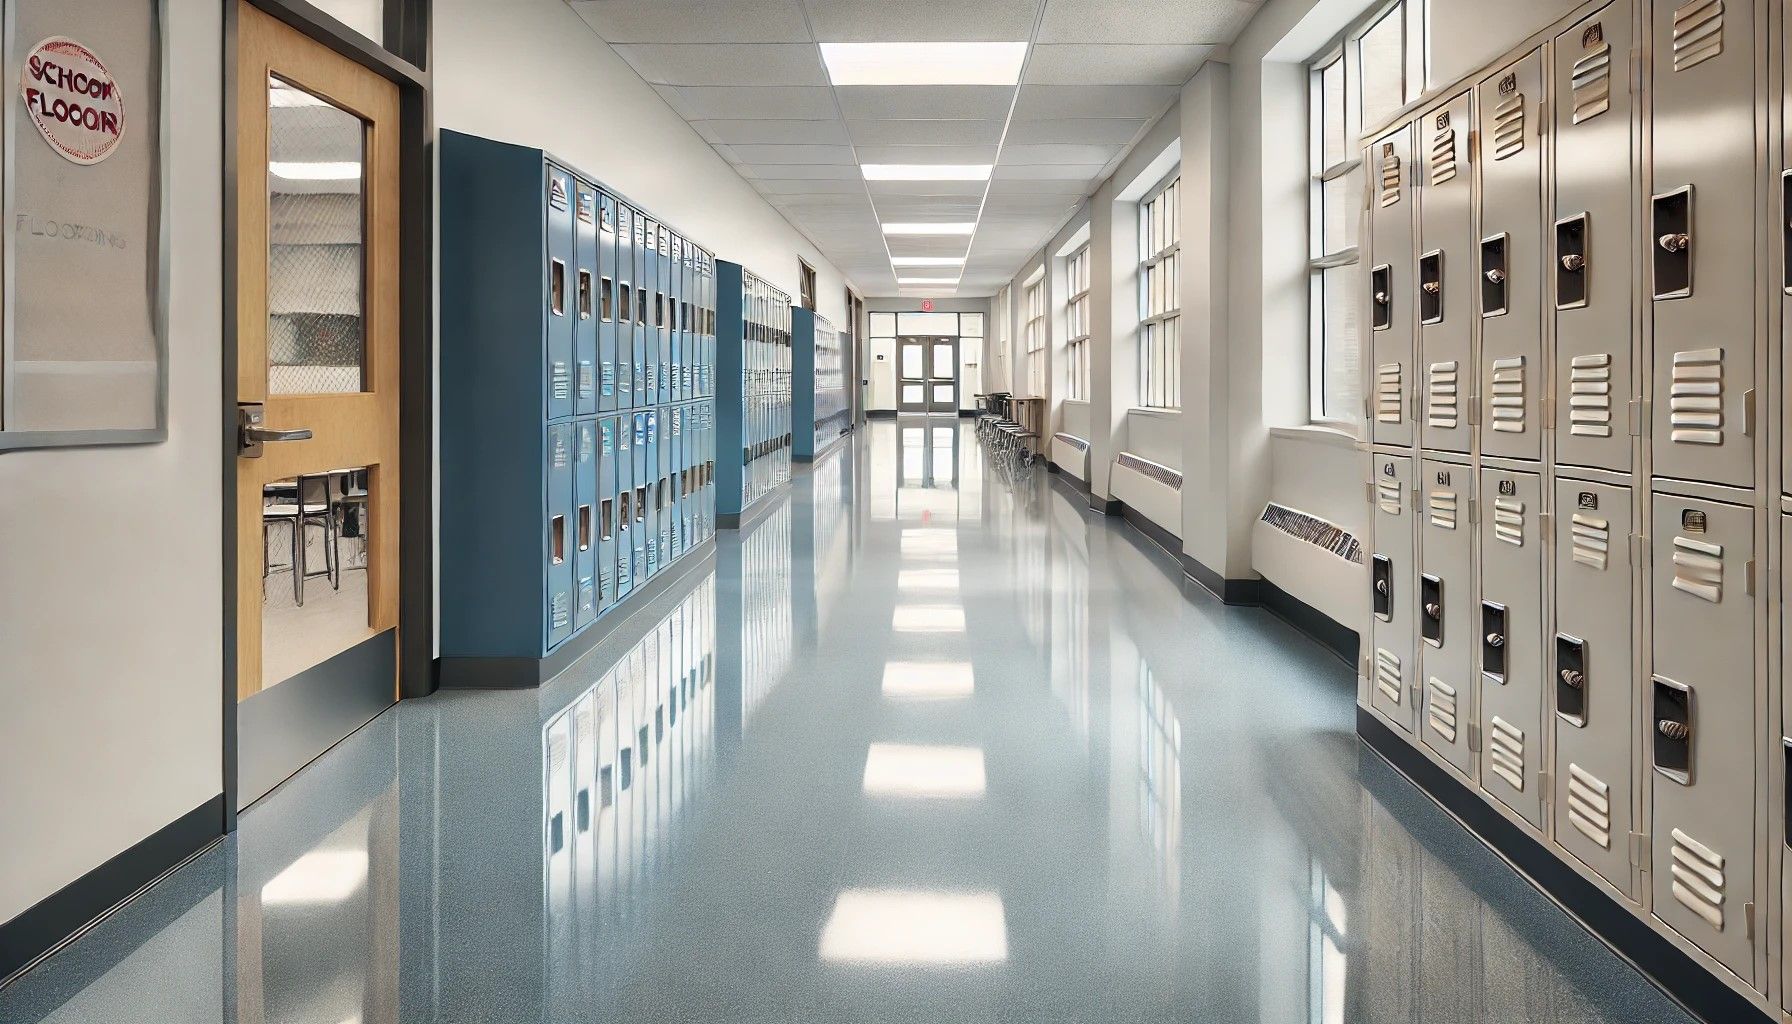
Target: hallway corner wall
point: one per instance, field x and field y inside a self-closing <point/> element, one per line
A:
<point x="111" y="565"/>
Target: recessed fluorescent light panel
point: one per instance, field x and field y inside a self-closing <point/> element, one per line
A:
<point x="912" y="926"/>
<point x="927" y="261"/>
<point x="927" y="280"/>
<point x="927" y="172"/>
<point x="959" y="228"/>
<point x="924" y="63"/>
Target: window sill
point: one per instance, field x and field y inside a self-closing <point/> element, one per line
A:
<point x="1317" y="433"/>
<point x="1141" y="410"/>
<point x="1076" y="401"/>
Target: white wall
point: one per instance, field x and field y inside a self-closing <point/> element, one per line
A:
<point x="505" y="70"/>
<point x="111" y="576"/>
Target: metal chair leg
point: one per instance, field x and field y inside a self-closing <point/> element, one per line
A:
<point x="298" y="560"/>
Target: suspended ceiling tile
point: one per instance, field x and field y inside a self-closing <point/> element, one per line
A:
<point x="1115" y="63"/>
<point x="1146" y="101"/>
<point x="758" y="154"/>
<point x="695" y="21"/>
<point x="774" y="132"/>
<point x="778" y="102"/>
<point x="726" y="63"/>
<point x="1114" y="131"/>
<point x="1156" y="21"/>
<point x="874" y="102"/>
<point x="948" y="189"/>
<point x="1058" y="153"/>
<point x="837" y="172"/>
<point x="1047" y="172"/>
<point x="943" y="154"/>
<point x="926" y="131"/>
<point x="809" y="186"/>
<point x="877" y="21"/>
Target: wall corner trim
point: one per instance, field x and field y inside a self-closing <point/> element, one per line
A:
<point x="63" y="915"/>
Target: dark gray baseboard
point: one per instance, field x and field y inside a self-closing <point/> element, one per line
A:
<point x="1659" y="960"/>
<point x="525" y="673"/>
<point x="64" y="914"/>
<point x="284" y="728"/>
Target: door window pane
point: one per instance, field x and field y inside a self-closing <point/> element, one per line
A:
<point x="913" y="394"/>
<point x="316" y="245"/>
<point x="911" y="362"/>
<point x="944" y="361"/>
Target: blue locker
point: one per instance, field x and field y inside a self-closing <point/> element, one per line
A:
<point x="606" y="325"/>
<point x="656" y="310"/>
<point x="559" y="534"/>
<point x="643" y="297"/>
<point x="680" y="319"/>
<point x="639" y="543"/>
<point x="625" y="505"/>
<point x="655" y="502"/>
<point x="625" y="306"/>
<point x="585" y="284"/>
<point x="663" y="257"/>
<point x="585" y="523"/>
<point x="687" y="537"/>
<point x="675" y="482"/>
<point x="606" y="514"/>
<point x="560" y="298"/>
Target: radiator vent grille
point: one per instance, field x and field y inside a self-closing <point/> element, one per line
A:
<point x="1315" y="531"/>
<point x="1156" y="471"/>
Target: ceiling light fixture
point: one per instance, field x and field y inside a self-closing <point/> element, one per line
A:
<point x="924" y="63"/>
<point x="927" y="172"/>
<point x="962" y="228"/>
<point x="927" y="280"/>
<point x="927" y="261"/>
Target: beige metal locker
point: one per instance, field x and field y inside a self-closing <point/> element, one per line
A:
<point x="1593" y="241"/>
<point x="1391" y="286"/>
<point x="1393" y="657"/>
<point x="1509" y="260"/>
<point x="1701" y="239"/>
<point x="1702" y="725"/>
<point x="1446" y="277"/>
<point x="1592" y="671"/>
<point x="1510" y="636"/>
<point x="1447" y="612"/>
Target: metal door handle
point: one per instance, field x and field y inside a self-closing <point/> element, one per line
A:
<point x="264" y="434"/>
<point x="1573" y="678"/>
<point x="1675" y="241"/>
<point x="251" y="435"/>
<point x="1673" y="730"/>
<point x="1495" y="640"/>
<point x="1573" y="262"/>
<point x="1496" y="275"/>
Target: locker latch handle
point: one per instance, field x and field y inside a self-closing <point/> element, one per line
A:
<point x="1574" y="262"/>
<point x="1675" y="241"/>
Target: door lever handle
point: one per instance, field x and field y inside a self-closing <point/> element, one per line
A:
<point x="251" y="435"/>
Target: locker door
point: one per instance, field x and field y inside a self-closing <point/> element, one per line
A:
<point x="1448" y="615"/>
<point x="642" y="530"/>
<point x="1508" y="628"/>
<point x="1701" y="231"/>
<point x="1592" y="673"/>
<point x="625" y="306"/>
<point x="1446" y="277"/>
<point x="643" y="315"/>
<point x="680" y="434"/>
<point x="1393" y="667"/>
<point x="655" y="306"/>
<point x="625" y="504"/>
<point x="1702" y="725"/>
<point x="656" y="497"/>
<point x="586" y="525"/>
<point x="585" y="299"/>
<point x="1508" y="266"/>
<point x="1595" y="365"/>
<point x="606" y="514"/>
<point x="561" y="300"/>
<point x="606" y="303"/>
<point x="1391" y="286"/>
<point x="559" y="534"/>
<point x="665" y="324"/>
<point x="663" y="496"/>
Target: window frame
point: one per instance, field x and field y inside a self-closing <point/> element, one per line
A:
<point x="1076" y="314"/>
<point x="1033" y="334"/>
<point x="1159" y="278"/>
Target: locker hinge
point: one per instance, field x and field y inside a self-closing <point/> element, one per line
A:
<point x="1548" y="524"/>
<point x="1748" y="413"/>
<point x="1639" y="848"/>
<point x="1639" y="417"/>
<point x="1545" y="790"/>
<point x="1418" y="694"/>
<point x="1549" y="414"/>
<point x="1474" y="736"/>
<point x="1363" y="667"/>
<point x="1474" y="512"/>
<point x="1748" y="578"/>
<point x="1748" y="919"/>
<point x="1369" y="491"/>
<point x="1474" y="410"/>
<point x="1415" y="498"/>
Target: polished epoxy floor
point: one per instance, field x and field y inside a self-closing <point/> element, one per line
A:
<point x="925" y="743"/>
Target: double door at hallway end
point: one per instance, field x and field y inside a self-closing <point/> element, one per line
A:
<point x="927" y="375"/>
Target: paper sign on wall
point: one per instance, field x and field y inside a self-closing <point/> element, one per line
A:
<point x="73" y="99"/>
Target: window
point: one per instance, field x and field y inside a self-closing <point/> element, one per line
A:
<point x="1374" y="69"/>
<point x="1076" y="321"/>
<point x="807" y="284"/>
<point x="1034" y="334"/>
<point x="1160" y="302"/>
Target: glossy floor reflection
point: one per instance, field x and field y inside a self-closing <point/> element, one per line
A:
<point x="920" y="745"/>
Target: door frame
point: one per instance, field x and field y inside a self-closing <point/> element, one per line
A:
<point x="408" y="31"/>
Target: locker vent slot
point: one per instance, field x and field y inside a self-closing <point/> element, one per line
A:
<point x="1699" y="568"/>
<point x="1698" y="32"/>
<point x="1698" y="873"/>
<point x="1443" y="509"/>
<point x="1507" y="401"/>
<point x="1440" y="396"/>
<point x="1592" y="540"/>
<point x="587" y="379"/>
<point x="1505" y="752"/>
<point x="562" y="381"/>
<point x="1387" y="393"/>
<point x="1440" y="708"/>
<point x="562" y="610"/>
<point x="1443" y="156"/>
<point x="1390" y="175"/>
<point x="1387" y="496"/>
<point x="1508" y="521"/>
<point x="1387" y="675"/>
<point x="1591" y="82"/>
<point x="1695" y="404"/>
<point x="1508" y="127"/>
<point x="1590" y="398"/>
<point x="1590" y="806"/>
